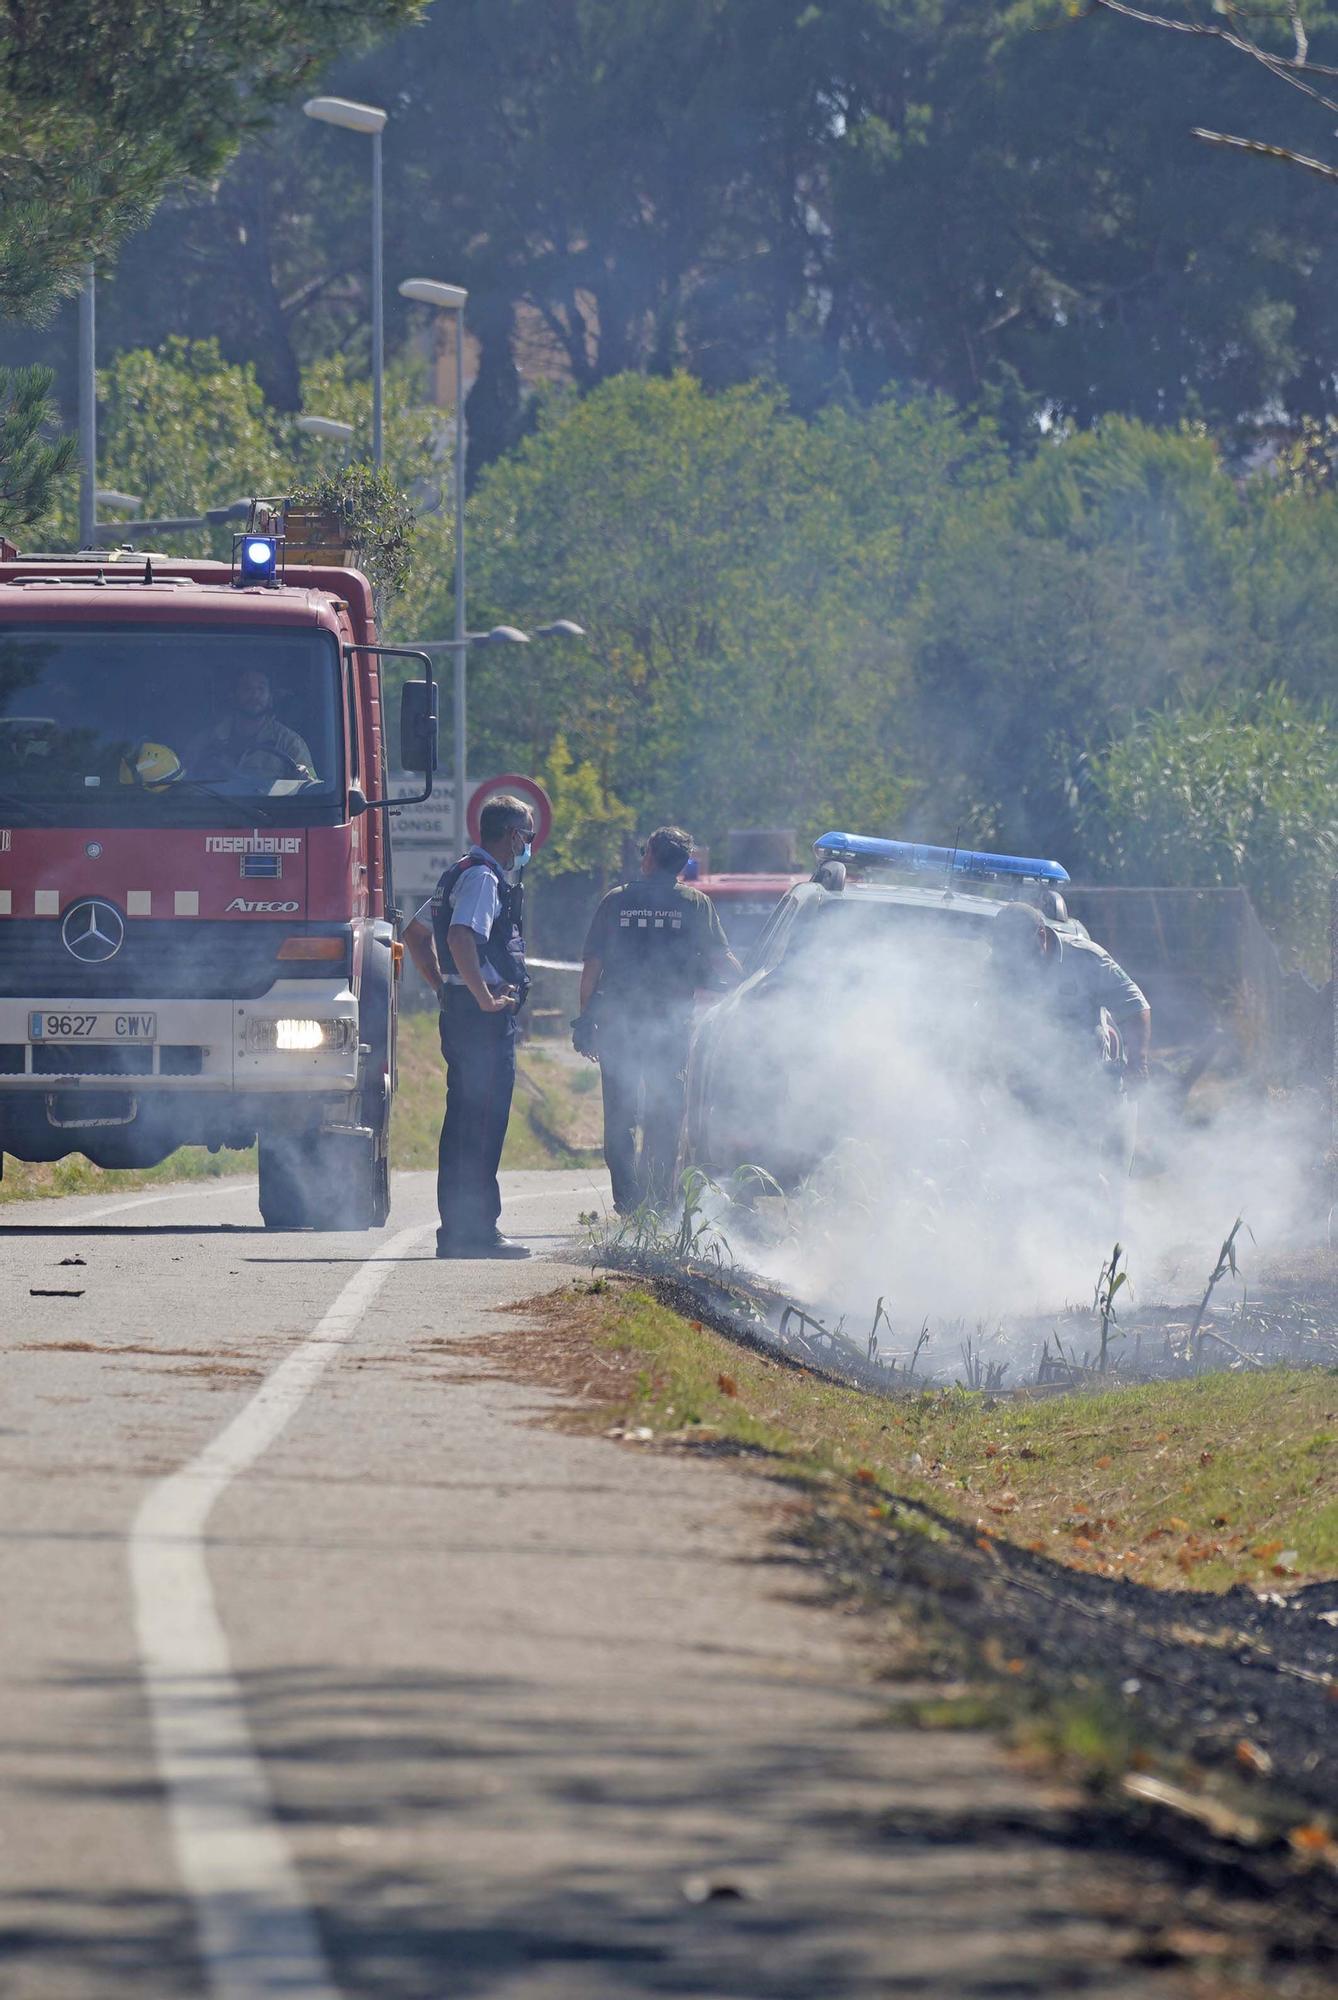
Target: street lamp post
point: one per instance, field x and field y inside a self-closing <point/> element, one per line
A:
<point x="177" y="524"/>
<point x="329" y="428"/>
<point x="88" y="413"/>
<point x="369" y="119"/>
<point x="500" y="635"/>
<point x="452" y="299"/>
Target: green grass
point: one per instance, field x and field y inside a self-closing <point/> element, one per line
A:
<point x="25" y="1181"/>
<point x="555" y="1122"/>
<point x="1200" y="1484"/>
<point x="555" y="1116"/>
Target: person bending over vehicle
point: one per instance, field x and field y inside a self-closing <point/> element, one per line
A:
<point x="651" y="945"/>
<point x="1075" y="978"/>
<point x="1079" y="990"/>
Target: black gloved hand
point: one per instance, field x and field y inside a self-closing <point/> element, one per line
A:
<point x="584" y="1037"/>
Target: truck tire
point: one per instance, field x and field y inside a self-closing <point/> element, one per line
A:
<point x="341" y="1180"/>
<point x="327" y="1180"/>
<point x="377" y="1025"/>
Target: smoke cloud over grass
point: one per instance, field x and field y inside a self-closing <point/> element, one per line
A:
<point x="951" y="1146"/>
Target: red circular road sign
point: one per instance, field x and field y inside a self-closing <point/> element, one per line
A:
<point x="533" y="794"/>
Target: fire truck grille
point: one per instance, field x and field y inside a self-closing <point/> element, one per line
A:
<point x="178" y="1059"/>
<point x="63" y="1059"/>
<point x="165" y="961"/>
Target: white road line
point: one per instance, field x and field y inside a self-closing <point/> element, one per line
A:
<point x="139" y="1201"/>
<point x="257" y="1933"/>
<point x="186" y="1194"/>
<point x="258" y="1936"/>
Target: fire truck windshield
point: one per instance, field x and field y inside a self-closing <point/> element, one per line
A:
<point x="150" y="723"/>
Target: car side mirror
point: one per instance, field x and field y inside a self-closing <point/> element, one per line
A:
<point x="418" y="727"/>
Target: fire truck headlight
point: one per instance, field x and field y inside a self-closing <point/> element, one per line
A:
<point x="298" y="1037"/>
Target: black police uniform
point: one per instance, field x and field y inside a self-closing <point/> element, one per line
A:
<point x="480" y="1052"/>
<point x="655" y="939"/>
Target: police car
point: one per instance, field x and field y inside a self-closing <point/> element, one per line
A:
<point x="763" y="1056"/>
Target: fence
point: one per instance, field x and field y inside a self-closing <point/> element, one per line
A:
<point x="1210" y="970"/>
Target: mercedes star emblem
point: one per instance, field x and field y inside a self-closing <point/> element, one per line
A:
<point x="93" y="931"/>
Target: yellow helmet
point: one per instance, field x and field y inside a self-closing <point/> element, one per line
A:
<point x="152" y="765"/>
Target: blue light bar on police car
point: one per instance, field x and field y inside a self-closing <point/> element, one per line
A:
<point x="909" y="854"/>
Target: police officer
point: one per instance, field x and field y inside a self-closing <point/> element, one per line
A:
<point x="651" y="945"/>
<point x="476" y="960"/>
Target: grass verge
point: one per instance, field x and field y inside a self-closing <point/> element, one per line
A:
<point x="1202" y="1716"/>
<point x="555" y="1122"/>
<point x="1204" y="1484"/>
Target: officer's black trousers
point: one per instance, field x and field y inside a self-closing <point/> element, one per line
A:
<point x="480" y="1052"/>
<point x="642" y="1066"/>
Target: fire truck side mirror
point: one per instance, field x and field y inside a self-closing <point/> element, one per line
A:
<point x="418" y="727"/>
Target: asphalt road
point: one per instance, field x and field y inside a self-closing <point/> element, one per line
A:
<point x="329" y="1669"/>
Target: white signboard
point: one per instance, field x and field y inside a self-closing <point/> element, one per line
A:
<point x="422" y="839"/>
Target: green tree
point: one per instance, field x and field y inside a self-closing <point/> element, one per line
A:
<point x="991" y="203"/>
<point x="588" y="821"/>
<point x="106" y="104"/>
<point x="746" y="580"/>
<point x="1086" y="589"/>
<point x="1239" y="791"/>
<point x="186" y="431"/>
<point x="32" y="463"/>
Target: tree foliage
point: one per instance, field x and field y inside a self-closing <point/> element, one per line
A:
<point x="1239" y="791"/>
<point x="874" y="617"/>
<point x="185" y="431"/>
<point x="844" y="197"/>
<point x="32" y="461"/>
<point x="375" y="515"/>
<point x="106" y="104"/>
<point x="588" y="821"/>
<point x="744" y="579"/>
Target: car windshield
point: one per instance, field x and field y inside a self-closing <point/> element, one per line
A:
<point x="137" y="723"/>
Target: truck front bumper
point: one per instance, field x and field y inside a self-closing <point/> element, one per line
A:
<point x="215" y="1047"/>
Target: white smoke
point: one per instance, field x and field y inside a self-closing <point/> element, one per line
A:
<point x="948" y="1151"/>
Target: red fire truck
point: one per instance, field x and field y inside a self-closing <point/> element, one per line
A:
<point x="198" y="938"/>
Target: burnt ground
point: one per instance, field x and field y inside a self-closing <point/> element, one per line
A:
<point x="1201" y="1729"/>
<point x="1290" y="1320"/>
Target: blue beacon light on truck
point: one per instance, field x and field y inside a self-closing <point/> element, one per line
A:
<point x="911" y="855"/>
<point x="259" y="559"/>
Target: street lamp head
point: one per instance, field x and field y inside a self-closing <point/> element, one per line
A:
<point x="561" y="628"/>
<point x="343" y="111"/>
<point x="107" y="496"/>
<point x="430" y="292"/>
<point x="325" y="427"/>
<point x="505" y="635"/>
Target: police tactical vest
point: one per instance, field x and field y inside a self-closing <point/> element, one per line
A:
<point x="653" y="948"/>
<point x="504" y="947"/>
